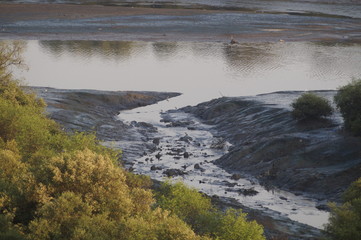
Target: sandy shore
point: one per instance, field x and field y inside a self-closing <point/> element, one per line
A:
<point x="96" y="22"/>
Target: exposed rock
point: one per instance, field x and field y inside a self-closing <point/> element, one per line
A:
<point x="158" y="156"/>
<point x="228" y="184"/>
<point x="156" y="141"/>
<point x="196" y="166"/>
<point x="248" y="192"/>
<point x="236" y="176"/>
<point x="154" y="168"/>
<point x="186" y="155"/>
<point x="219" y="143"/>
<point x="185" y="138"/>
<point x="173" y="172"/>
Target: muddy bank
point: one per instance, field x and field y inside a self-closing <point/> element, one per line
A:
<point x="308" y="158"/>
<point x="89" y="110"/>
<point x="96" y="22"/>
<point x="95" y="111"/>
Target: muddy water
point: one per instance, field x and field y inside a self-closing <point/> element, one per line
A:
<point x="200" y="71"/>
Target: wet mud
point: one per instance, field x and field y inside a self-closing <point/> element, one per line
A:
<point x="211" y="23"/>
<point x="95" y="112"/>
<point x="314" y="158"/>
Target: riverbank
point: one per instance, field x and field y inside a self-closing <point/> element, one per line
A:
<point x="94" y="111"/>
<point x="97" y="22"/>
<point x="316" y="159"/>
<point x="81" y="110"/>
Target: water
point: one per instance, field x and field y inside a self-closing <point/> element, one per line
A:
<point x="200" y="71"/>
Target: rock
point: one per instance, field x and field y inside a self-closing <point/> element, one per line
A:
<point x="248" y="192"/>
<point x="283" y="198"/>
<point x="173" y="172"/>
<point x="196" y="166"/>
<point x="323" y="207"/>
<point x="218" y="143"/>
<point x="185" y="138"/>
<point x="233" y="41"/>
<point x="236" y="176"/>
<point x="156" y="141"/>
<point x="228" y="184"/>
<point x="154" y="168"/>
<point x="158" y="156"/>
<point x="186" y="155"/>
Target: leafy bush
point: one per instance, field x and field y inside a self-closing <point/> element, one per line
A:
<point x="197" y="210"/>
<point x="348" y="100"/>
<point x="345" y="220"/>
<point x="59" y="186"/>
<point x="311" y="106"/>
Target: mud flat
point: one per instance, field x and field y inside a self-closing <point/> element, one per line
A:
<point x="317" y="159"/>
<point x="95" y="111"/>
<point x="167" y="23"/>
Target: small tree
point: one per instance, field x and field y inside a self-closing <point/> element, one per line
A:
<point x="348" y="100"/>
<point x="311" y="106"/>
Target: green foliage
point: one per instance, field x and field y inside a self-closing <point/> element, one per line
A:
<point x="348" y="100"/>
<point x="197" y="210"/>
<point x="59" y="186"/>
<point x="234" y="226"/>
<point x="310" y="106"/>
<point x="188" y="204"/>
<point x="345" y="220"/>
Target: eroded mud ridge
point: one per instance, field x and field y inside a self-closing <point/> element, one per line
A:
<point x="315" y="158"/>
<point x="95" y="111"/>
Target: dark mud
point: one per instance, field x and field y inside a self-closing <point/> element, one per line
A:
<point x="213" y="24"/>
<point x="90" y="110"/>
<point x="317" y="159"/>
<point x="95" y="111"/>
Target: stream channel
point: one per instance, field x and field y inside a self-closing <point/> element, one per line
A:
<point x="191" y="151"/>
<point x="201" y="72"/>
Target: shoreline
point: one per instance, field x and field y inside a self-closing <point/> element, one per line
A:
<point x="117" y="23"/>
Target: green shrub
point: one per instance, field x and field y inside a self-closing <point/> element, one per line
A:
<point x="310" y="106"/>
<point x="345" y="220"/>
<point x="348" y="100"/>
<point x="196" y="210"/>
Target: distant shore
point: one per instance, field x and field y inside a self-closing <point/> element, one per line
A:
<point x="97" y="22"/>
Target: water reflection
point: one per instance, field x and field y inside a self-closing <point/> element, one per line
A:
<point x="165" y="50"/>
<point x="202" y="69"/>
<point x="109" y="50"/>
<point x="247" y="58"/>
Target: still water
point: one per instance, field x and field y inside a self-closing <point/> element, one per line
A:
<point x="200" y="71"/>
